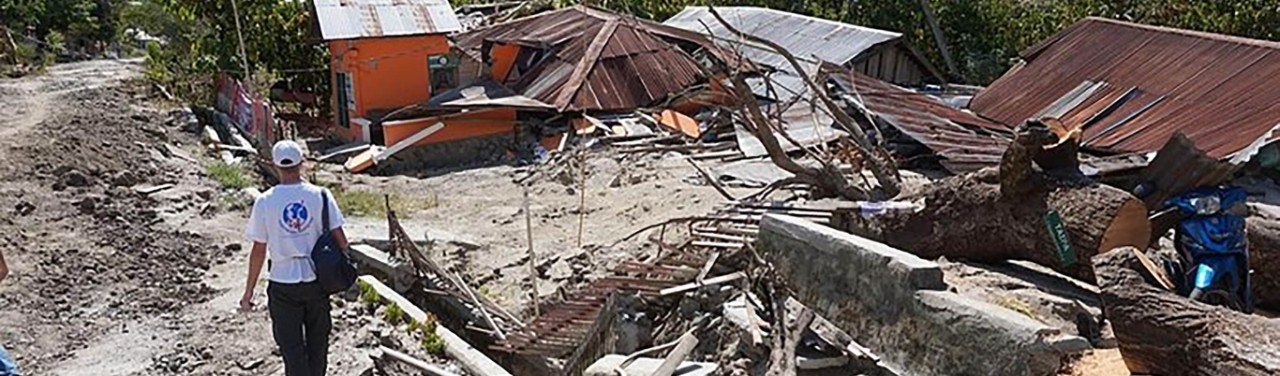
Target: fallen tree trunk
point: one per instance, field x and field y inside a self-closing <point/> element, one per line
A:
<point x="1161" y="333"/>
<point x="1007" y="214"/>
<point x="1264" y="260"/>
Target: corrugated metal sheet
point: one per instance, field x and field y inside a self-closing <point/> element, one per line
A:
<point x="350" y="19"/>
<point x="638" y="64"/>
<point x="1223" y="92"/>
<point x="802" y="35"/>
<point x="965" y="141"/>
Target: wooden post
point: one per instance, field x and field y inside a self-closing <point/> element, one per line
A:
<point x="582" y="193"/>
<point x="244" y="57"/>
<point x="533" y="256"/>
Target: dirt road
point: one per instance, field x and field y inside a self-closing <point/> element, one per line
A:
<point x="106" y="280"/>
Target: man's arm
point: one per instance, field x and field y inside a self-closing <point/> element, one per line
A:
<point x="340" y="237"/>
<point x="257" y="255"/>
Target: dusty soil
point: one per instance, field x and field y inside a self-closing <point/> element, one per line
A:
<point x="485" y="206"/>
<point x="110" y="281"/>
<point x="106" y="280"/>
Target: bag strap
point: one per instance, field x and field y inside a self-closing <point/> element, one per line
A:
<point x="324" y="212"/>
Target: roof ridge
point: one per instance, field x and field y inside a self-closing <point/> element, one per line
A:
<point x="1264" y="43"/>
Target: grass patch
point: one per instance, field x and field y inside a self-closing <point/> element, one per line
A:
<point x="393" y="314"/>
<point x="228" y="175"/>
<point x="364" y="203"/>
<point x="431" y="341"/>
<point x="368" y="295"/>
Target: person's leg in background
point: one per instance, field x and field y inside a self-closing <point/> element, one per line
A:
<point x="318" y="324"/>
<point x="287" y="320"/>
<point x="7" y="366"/>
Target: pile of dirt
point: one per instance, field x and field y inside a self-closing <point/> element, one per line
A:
<point x="88" y="246"/>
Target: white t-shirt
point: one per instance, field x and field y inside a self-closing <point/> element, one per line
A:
<point x="287" y="219"/>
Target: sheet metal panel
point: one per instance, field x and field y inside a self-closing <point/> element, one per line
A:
<point x="804" y="36"/>
<point x="350" y="19"/>
<point x="965" y="141"/>
<point x="1223" y="92"/>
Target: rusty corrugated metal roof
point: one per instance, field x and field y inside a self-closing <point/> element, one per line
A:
<point x="1223" y="92"/>
<point x="965" y="141"/>
<point x="598" y="61"/>
<point x="350" y="19"/>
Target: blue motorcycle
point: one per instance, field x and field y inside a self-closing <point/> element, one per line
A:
<point x="1213" y="256"/>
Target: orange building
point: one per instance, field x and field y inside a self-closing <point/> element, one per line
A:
<point x="386" y="56"/>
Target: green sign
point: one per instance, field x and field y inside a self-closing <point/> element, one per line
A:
<point x="1058" y="233"/>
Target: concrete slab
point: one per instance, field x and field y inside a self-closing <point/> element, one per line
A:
<point x="898" y="306"/>
<point x="645" y="366"/>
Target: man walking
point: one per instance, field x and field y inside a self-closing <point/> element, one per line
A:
<point x="7" y="366"/>
<point x="285" y="224"/>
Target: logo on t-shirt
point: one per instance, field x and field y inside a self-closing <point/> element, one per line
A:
<point x="295" y="218"/>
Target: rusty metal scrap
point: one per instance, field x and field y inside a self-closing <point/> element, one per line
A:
<point x="1147" y="83"/>
<point x="564" y="326"/>
<point x="591" y="59"/>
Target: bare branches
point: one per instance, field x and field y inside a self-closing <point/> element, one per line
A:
<point x="826" y="178"/>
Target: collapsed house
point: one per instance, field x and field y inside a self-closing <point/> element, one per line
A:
<point x="523" y="82"/>
<point x="864" y="65"/>
<point x="868" y="267"/>
<point x="1131" y="87"/>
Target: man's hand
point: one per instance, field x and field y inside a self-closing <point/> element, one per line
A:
<point x="246" y="302"/>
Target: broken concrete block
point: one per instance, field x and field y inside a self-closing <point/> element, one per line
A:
<point x="645" y="366"/>
<point x="897" y="305"/>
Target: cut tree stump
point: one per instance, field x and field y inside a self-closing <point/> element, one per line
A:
<point x="1161" y="333"/>
<point x="1006" y="214"/>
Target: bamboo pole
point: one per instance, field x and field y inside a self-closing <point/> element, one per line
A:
<point x="533" y="256"/>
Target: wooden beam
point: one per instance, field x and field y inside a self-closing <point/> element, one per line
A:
<point x="708" y="282"/>
<point x="669" y="364"/>
<point x="414" y="362"/>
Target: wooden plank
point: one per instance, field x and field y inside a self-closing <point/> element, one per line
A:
<point x="471" y="359"/>
<point x="589" y="59"/>
<point x="676" y="356"/>
<point x="710" y="244"/>
<point x="414" y="362"/>
<point x="707" y="282"/>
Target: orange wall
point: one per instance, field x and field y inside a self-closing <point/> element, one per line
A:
<point x="504" y="58"/>
<point x="471" y="124"/>
<point x="388" y="73"/>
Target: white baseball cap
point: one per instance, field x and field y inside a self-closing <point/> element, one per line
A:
<point x="286" y="154"/>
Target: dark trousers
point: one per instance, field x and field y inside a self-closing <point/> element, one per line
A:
<point x="300" y="324"/>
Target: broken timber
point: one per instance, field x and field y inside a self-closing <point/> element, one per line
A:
<point x="471" y="359"/>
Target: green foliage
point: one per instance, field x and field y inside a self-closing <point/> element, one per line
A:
<point x="229" y="176"/>
<point x="431" y="341"/>
<point x="368" y="295"/>
<point x="364" y="203"/>
<point x="393" y="314"/>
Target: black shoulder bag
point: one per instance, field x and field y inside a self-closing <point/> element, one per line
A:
<point x="334" y="271"/>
